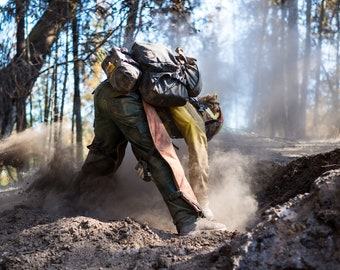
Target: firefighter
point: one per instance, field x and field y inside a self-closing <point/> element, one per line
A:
<point x="119" y="119"/>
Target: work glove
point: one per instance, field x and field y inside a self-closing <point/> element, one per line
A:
<point x="143" y="172"/>
<point x="211" y="101"/>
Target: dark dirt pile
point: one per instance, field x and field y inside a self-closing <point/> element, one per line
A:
<point x="297" y="226"/>
<point x="302" y="233"/>
<point x="297" y="177"/>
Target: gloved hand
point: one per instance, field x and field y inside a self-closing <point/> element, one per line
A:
<point x="143" y="172"/>
<point x="211" y="101"/>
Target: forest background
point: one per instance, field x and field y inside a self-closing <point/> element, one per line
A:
<point x="275" y="64"/>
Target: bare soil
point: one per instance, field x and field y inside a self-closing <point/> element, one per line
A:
<point x="296" y="225"/>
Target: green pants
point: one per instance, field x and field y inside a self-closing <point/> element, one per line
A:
<point x="119" y="119"/>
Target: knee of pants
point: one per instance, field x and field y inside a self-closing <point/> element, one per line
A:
<point x="98" y="165"/>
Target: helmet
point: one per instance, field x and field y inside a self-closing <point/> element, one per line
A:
<point x="213" y="121"/>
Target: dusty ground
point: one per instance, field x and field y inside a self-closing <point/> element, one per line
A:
<point x="287" y="216"/>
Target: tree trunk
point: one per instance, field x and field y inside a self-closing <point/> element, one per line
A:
<point x="306" y="67"/>
<point x="55" y="114"/>
<point x="293" y="127"/>
<point x="21" y="120"/>
<point x="64" y="89"/>
<point x="76" y="101"/>
<point x="337" y="75"/>
<point x="255" y="110"/>
<point x="18" y="78"/>
<point x="276" y="77"/>
<point x="54" y="86"/>
<point x="318" y="71"/>
<point x="131" y="23"/>
<point x="47" y="100"/>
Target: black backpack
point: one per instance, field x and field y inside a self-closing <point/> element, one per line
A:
<point x="167" y="79"/>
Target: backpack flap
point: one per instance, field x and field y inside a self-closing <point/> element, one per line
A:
<point x="154" y="57"/>
<point x="193" y="79"/>
<point x="121" y="70"/>
<point x="163" y="89"/>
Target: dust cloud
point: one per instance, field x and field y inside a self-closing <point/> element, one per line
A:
<point x="231" y="197"/>
<point x="28" y="142"/>
<point x="14" y="152"/>
<point x="126" y="195"/>
<point x="49" y="182"/>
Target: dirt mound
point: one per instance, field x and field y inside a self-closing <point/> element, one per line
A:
<point x="303" y="233"/>
<point x="31" y="239"/>
<point x="297" y="177"/>
<point x="297" y="224"/>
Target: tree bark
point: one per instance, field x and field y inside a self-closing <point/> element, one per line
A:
<point x="76" y="100"/>
<point x="306" y="67"/>
<point x="18" y="78"/>
<point x="318" y="70"/>
<point x="293" y="127"/>
<point x="20" y="7"/>
<point x="337" y="74"/>
<point x="131" y="23"/>
<point x="255" y="112"/>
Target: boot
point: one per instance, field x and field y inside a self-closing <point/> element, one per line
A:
<point x="201" y="225"/>
<point x="188" y="221"/>
<point x="182" y="213"/>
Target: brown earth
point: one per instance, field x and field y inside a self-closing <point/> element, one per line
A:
<point x="296" y="224"/>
